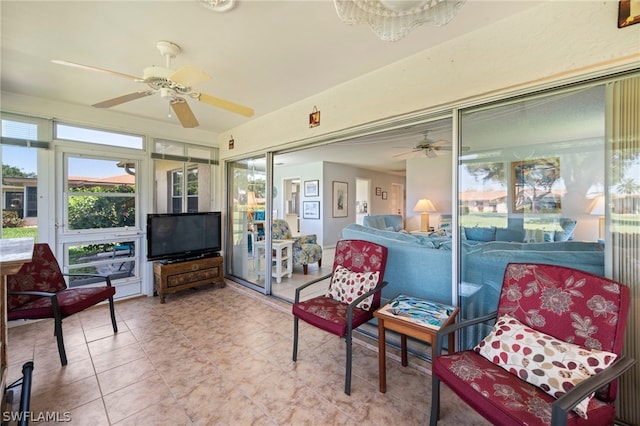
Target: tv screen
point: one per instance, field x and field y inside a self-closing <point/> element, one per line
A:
<point x="176" y="236"/>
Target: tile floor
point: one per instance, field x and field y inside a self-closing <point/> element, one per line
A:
<point x="215" y="356"/>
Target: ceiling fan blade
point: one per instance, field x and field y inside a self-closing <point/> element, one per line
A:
<point x="90" y="68"/>
<point x="224" y="104"/>
<point x="431" y="153"/>
<point x="184" y="113"/>
<point x="189" y="76"/>
<point x="122" y="99"/>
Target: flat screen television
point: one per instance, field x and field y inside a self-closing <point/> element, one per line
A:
<point x="183" y="236"/>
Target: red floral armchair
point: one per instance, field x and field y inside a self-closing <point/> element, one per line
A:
<point x="553" y="356"/>
<point x="38" y="290"/>
<point x="353" y="295"/>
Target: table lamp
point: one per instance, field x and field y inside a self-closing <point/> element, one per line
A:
<point x="424" y="206"/>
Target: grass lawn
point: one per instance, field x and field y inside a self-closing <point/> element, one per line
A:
<point x="31" y="231"/>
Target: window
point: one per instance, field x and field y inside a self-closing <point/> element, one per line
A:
<point x="80" y="134"/>
<point x="173" y="162"/>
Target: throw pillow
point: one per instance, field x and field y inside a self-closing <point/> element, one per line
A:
<point x="538" y="236"/>
<point x="568" y="226"/>
<point x="376" y="222"/>
<point x="480" y="234"/>
<point x="542" y="360"/>
<point x="346" y="286"/>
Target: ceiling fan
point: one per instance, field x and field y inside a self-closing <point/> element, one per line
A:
<point x="430" y="147"/>
<point x="172" y="85"/>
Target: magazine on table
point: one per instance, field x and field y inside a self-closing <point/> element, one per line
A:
<point x="419" y="311"/>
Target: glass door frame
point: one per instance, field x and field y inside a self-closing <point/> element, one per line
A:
<point x="240" y="235"/>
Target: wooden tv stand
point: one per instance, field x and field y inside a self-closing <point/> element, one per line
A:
<point x="181" y="275"/>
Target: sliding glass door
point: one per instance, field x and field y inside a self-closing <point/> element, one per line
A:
<point x="246" y="192"/>
<point x="530" y="184"/>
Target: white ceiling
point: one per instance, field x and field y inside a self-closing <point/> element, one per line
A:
<point x="263" y="54"/>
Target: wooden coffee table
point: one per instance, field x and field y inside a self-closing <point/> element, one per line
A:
<point x="405" y="327"/>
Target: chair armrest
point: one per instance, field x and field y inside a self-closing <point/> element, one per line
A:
<point x="32" y="293"/>
<point x="353" y="304"/>
<point x="308" y="283"/>
<point x="107" y="278"/>
<point x="454" y="327"/>
<point x="561" y="407"/>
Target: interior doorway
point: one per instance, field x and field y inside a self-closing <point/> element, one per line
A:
<point x="292" y="204"/>
<point x="362" y="199"/>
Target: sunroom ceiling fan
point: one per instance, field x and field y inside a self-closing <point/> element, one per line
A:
<point x="174" y="86"/>
<point x="430" y="147"/>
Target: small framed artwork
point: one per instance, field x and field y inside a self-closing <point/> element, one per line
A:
<point x="340" y="199"/>
<point x="532" y="186"/>
<point x="311" y="188"/>
<point x="628" y="13"/>
<point x="384" y="195"/>
<point x="311" y="209"/>
<point x="378" y="191"/>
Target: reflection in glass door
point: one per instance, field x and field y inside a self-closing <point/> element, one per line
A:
<point x="244" y="256"/>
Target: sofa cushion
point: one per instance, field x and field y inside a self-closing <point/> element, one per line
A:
<point x="552" y="365"/>
<point x="480" y="234"/>
<point x="376" y="222"/>
<point x="346" y="286"/>
<point x="506" y="234"/>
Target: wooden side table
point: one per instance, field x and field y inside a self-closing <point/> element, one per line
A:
<point x="405" y="327"/>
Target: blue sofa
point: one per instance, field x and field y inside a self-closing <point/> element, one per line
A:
<point x="421" y="265"/>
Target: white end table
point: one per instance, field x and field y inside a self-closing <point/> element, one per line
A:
<point x="281" y="260"/>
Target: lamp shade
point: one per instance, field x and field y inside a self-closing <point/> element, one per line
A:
<point x="424" y="205"/>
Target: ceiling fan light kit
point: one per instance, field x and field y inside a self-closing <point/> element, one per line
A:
<point x="172" y="86"/>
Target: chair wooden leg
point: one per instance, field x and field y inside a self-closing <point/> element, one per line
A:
<point x="295" y="339"/>
<point x="319" y="263"/>
<point x="435" y="401"/>
<point x="305" y="269"/>
<point x="347" y="380"/>
<point x="113" y="315"/>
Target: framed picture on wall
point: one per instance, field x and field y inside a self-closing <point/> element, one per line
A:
<point x="340" y="199"/>
<point x="533" y="186"/>
<point x="311" y="188"/>
<point x="384" y="195"/>
<point x="311" y="209"/>
<point x="628" y="13"/>
<point x="378" y="191"/>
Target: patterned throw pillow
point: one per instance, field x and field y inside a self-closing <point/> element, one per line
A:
<point x="346" y="286"/>
<point x="544" y="361"/>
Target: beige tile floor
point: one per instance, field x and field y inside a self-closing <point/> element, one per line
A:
<point x="215" y="356"/>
